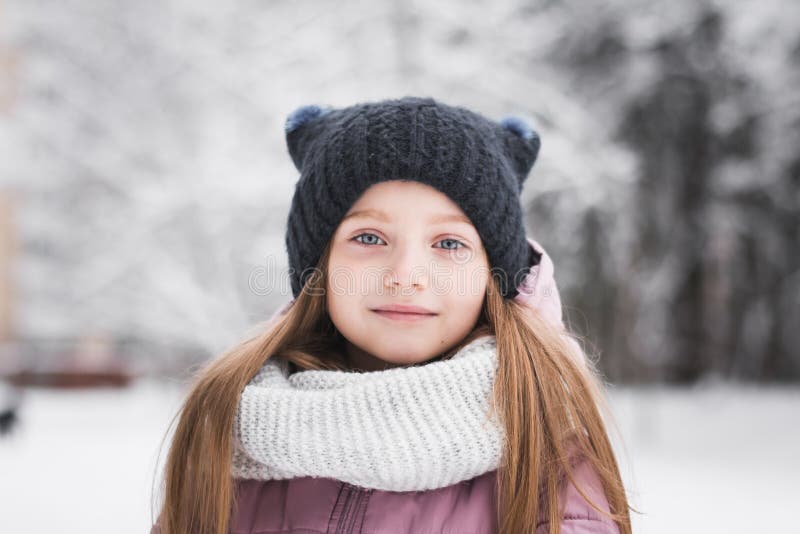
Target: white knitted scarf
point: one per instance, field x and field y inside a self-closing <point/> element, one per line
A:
<point x="401" y="429"/>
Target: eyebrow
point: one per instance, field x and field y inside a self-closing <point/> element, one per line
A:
<point x="381" y="216"/>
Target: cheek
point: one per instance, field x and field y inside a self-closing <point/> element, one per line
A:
<point x="462" y="283"/>
<point x="466" y="293"/>
<point x="348" y="278"/>
<point x="343" y="309"/>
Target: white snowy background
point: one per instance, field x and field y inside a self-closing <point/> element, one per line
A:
<point x="142" y="146"/>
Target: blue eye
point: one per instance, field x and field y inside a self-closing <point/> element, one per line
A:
<point x="452" y="241"/>
<point x="368" y="235"/>
<point x="370" y="239"/>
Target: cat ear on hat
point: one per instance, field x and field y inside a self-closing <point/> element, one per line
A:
<point x="302" y="127"/>
<point x="521" y="143"/>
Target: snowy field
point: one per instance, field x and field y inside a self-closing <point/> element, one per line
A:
<point x="718" y="459"/>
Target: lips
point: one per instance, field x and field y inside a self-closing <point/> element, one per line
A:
<point x="401" y="308"/>
<point x="404" y="313"/>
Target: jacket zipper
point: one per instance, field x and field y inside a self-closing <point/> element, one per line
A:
<point x="350" y="509"/>
<point x="345" y="509"/>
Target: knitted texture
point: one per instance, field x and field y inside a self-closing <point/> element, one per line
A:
<point x="479" y="163"/>
<point x="402" y="429"/>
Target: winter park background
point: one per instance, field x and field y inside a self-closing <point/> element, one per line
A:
<point x="144" y="188"/>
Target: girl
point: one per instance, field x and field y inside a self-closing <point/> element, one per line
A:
<point x="421" y="380"/>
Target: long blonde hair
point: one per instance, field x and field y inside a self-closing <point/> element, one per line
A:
<point x="547" y="394"/>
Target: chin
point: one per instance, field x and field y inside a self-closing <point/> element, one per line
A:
<point x="398" y="356"/>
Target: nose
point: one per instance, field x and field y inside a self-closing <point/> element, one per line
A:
<point x="407" y="269"/>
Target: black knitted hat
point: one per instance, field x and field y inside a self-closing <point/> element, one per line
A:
<point x="480" y="164"/>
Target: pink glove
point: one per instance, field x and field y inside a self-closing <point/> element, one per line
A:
<point x="538" y="289"/>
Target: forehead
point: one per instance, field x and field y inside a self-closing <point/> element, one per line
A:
<point x="398" y="199"/>
<point x="432" y="218"/>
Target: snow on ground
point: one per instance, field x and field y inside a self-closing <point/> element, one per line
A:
<point x="717" y="459"/>
<point x="83" y="462"/>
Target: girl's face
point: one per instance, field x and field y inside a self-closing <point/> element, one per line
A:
<point x="404" y="243"/>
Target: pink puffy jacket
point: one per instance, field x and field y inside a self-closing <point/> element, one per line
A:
<point x="325" y="506"/>
<point x="310" y="505"/>
<point x="318" y="505"/>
